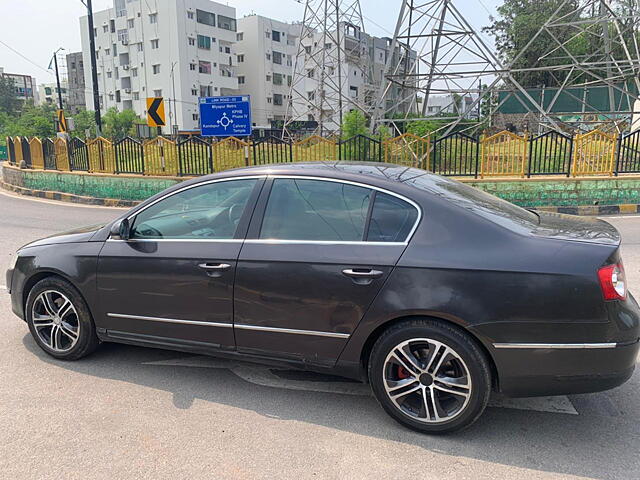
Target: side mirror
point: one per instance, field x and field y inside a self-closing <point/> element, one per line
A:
<point x="121" y="228"/>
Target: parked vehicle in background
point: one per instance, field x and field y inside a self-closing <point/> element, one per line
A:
<point x="434" y="292"/>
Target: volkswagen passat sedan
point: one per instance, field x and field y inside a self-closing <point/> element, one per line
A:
<point x="434" y="292"/>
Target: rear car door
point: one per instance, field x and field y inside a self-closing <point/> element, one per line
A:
<point x="172" y="281"/>
<point x="317" y="253"/>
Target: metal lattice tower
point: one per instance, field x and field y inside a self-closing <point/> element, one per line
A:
<point x="332" y="39"/>
<point x="441" y="53"/>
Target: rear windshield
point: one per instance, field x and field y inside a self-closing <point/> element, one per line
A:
<point x="486" y="205"/>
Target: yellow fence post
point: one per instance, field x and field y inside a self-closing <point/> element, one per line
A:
<point x="160" y="157"/>
<point x="314" y="149"/>
<point x="102" y="156"/>
<point x="62" y="154"/>
<point x="230" y="153"/>
<point x="37" y="154"/>
<point x="407" y="149"/>
<point x="594" y="153"/>
<point x="17" y="150"/>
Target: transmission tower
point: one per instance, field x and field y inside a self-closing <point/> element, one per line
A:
<point x="332" y="71"/>
<point x="442" y="55"/>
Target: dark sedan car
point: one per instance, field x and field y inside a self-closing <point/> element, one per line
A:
<point x="433" y="291"/>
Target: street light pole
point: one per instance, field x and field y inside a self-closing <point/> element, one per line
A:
<point x="94" y="68"/>
<point x="55" y="63"/>
<point x="175" y="111"/>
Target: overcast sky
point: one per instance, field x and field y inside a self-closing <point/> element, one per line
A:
<point x="35" y="28"/>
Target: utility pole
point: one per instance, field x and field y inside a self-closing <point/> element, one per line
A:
<point x="171" y="112"/>
<point x="55" y="63"/>
<point x="94" y="68"/>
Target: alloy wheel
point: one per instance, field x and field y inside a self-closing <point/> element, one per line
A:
<point x="55" y="320"/>
<point x="427" y="380"/>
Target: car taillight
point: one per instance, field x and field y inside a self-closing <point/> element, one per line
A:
<point x="612" y="282"/>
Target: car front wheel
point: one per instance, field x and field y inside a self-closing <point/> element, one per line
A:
<point x="429" y="376"/>
<point x="59" y="320"/>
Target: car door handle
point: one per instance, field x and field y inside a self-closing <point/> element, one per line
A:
<point x="214" y="269"/>
<point x="362" y="276"/>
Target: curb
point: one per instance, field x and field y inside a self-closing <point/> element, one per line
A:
<point x="69" y="197"/>
<point x="594" y="210"/>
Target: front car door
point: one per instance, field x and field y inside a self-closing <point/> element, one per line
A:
<point x="317" y="253"/>
<point x="171" y="283"/>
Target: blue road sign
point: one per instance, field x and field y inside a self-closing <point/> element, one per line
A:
<point x="225" y="116"/>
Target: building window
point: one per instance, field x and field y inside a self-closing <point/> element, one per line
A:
<point x="115" y="50"/>
<point x="192" y="67"/>
<point x="107" y="51"/>
<point x="226" y="23"/>
<point x="118" y="96"/>
<point x="204" y="42"/>
<point x="204" y="67"/>
<point x="192" y="41"/>
<point x="154" y="44"/>
<point x="240" y="58"/>
<point x="277" y="79"/>
<point x="105" y="28"/>
<point x="269" y="100"/>
<point x="136" y="95"/>
<point x="205" y="91"/>
<point x="130" y="23"/>
<point x="241" y="80"/>
<point x="239" y="37"/>
<point x="207" y="18"/>
<point x="134" y="72"/>
<point x="311" y="95"/>
<point x="288" y="80"/>
<point x="194" y="116"/>
<point x="109" y="74"/>
<point x="275" y="36"/>
<point x="227" y="49"/>
<point x="140" y="47"/>
<point x="194" y="92"/>
<point x="267" y="34"/>
<point x="156" y="69"/>
<point x="310" y="73"/>
<point x="268" y="55"/>
<point x="277" y="58"/>
<point x="268" y="78"/>
<point x="289" y="62"/>
<point x="123" y="36"/>
<point x="153" y="18"/>
<point x="157" y="93"/>
<point x="112" y="26"/>
<point x="190" y="15"/>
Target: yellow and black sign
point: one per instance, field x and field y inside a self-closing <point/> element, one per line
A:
<point x="62" y="122"/>
<point x="155" y="112"/>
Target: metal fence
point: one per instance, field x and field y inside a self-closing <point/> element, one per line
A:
<point x="457" y="154"/>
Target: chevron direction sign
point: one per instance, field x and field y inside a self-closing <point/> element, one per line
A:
<point x="155" y="112"/>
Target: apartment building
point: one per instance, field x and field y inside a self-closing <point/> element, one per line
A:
<point x="266" y="50"/>
<point x="48" y="94"/>
<point x="76" y="82"/>
<point x="25" y="85"/>
<point x="162" y="48"/>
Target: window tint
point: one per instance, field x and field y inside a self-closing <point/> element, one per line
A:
<point x="391" y="219"/>
<point x="315" y="210"/>
<point x="209" y="211"/>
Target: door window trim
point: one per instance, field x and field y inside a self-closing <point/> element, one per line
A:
<point x="188" y="187"/>
<point x="267" y="241"/>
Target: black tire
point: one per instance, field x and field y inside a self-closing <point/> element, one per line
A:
<point x="464" y="347"/>
<point x="87" y="341"/>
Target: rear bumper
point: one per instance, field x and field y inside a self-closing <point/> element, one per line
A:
<point x="560" y="371"/>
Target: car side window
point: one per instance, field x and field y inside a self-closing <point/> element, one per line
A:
<point x="300" y="209"/>
<point x="391" y="219"/>
<point x="210" y="211"/>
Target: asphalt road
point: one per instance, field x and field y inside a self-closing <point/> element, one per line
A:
<point x="128" y="412"/>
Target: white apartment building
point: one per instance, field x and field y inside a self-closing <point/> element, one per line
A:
<point x="266" y="51"/>
<point x="25" y="85"/>
<point x="48" y="93"/>
<point x="450" y="104"/>
<point x="153" y="48"/>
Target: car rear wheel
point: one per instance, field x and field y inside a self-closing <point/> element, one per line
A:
<point x="429" y="376"/>
<point x="59" y="320"/>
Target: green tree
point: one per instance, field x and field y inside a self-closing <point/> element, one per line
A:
<point x="83" y="121"/>
<point x="117" y="125"/>
<point x="518" y="21"/>
<point x="34" y="121"/>
<point x="9" y="102"/>
<point x="354" y="123"/>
